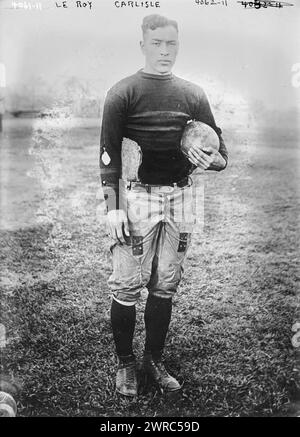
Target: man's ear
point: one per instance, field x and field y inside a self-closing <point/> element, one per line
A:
<point x="142" y="45"/>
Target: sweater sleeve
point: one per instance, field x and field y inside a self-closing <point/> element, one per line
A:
<point x="112" y="129"/>
<point x="203" y="113"/>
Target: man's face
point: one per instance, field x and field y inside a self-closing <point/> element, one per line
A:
<point x="160" y="47"/>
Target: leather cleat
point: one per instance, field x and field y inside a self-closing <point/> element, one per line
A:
<point x="126" y="379"/>
<point x="156" y="370"/>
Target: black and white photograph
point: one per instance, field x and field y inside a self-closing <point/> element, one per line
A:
<point x="149" y="211"/>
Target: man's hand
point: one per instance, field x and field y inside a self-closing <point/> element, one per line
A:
<point x="205" y="157"/>
<point x="117" y="225"/>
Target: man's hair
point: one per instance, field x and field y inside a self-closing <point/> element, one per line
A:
<point x="154" y="21"/>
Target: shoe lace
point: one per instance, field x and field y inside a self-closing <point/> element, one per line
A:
<point x="162" y="370"/>
<point x="130" y="373"/>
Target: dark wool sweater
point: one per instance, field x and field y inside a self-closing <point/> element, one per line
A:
<point x="153" y="111"/>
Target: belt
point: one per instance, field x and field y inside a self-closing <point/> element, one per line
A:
<point x="180" y="184"/>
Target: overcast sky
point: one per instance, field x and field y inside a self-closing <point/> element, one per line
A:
<point x="249" y="52"/>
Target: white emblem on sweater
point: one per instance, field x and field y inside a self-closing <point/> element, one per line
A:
<point x="105" y="158"/>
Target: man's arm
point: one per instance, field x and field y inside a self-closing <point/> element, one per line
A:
<point x="214" y="160"/>
<point x="113" y="122"/>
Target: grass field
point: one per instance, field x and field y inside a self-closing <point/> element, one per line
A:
<point x="230" y="335"/>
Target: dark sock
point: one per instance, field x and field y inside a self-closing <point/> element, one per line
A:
<point x="157" y="319"/>
<point x="123" y="324"/>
